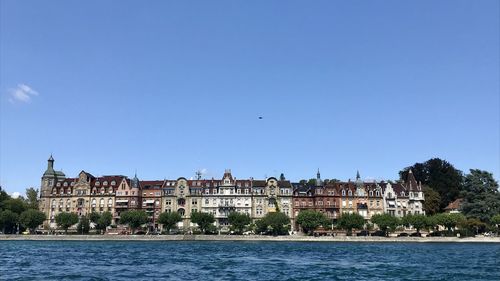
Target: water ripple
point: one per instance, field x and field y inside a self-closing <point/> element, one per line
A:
<point x="192" y="260"/>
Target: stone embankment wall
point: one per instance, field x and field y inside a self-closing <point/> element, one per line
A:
<point x="293" y="238"/>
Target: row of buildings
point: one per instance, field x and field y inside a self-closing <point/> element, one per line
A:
<point x="117" y="193"/>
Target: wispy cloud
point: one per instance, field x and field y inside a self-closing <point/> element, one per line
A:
<point x="22" y="93"/>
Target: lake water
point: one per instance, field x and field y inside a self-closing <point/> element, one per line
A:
<point x="184" y="260"/>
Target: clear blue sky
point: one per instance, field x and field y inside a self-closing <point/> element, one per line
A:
<point x="170" y="87"/>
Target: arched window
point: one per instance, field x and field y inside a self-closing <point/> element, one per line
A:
<point x="349" y="192"/>
<point x="65" y="184"/>
<point x="181" y="211"/>
<point x="101" y="202"/>
<point x="93" y="202"/>
<point x="343" y="192"/>
<point x="105" y="183"/>
<point x="377" y="193"/>
<point x="371" y="193"/>
<point x="113" y="182"/>
<point x="402" y="193"/>
<point x="68" y="203"/>
<point x="110" y="202"/>
<point x="97" y="183"/>
<point x="54" y="191"/>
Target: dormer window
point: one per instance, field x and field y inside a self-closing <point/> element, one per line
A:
<point x="377" y="193"/>
<point x="97" y="183"/>
<point x="343" y="192"/>
<point x="349" y="193"/>
<point x="72" y="183"/>
<point x="65" y="184"/>
<point x="113" y="183"/>
<point x="105" y="183"/>
<point x="58" y="184"/>
<point x="402" y="193"/>
<point x="371" y="193"/>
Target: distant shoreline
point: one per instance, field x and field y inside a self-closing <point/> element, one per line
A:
<point x="249" y="238"/>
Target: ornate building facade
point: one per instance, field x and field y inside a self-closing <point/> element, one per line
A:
<point x="117" y="193"/>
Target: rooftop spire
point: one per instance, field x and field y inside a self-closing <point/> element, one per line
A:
<point x="357" y="175"/>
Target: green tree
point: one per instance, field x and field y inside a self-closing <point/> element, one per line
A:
<point x="94" y="217"/>
<point x="311" y="182"/>
<point x="349" y="222"/>
<point x="416" y="221"/>
<point x="169" y="220"/>
<point x="432" y="201"/>
<point x="495" y="221"/>
<point x="3" y="197"/>
<point x="32" y="198"/>
<point x="274" y="223"/>
<point x="239" y="221"/>
<point x="386" y="222"/>
<point x="8" y="221"/>
<point x="449" y="221"/>
<point x="16" y="205"/>
<point x="104" y="221"/>
<point x="66" y="220"/>
<point x="31" y="219"/>
<point x="439" y="175"/>
<point x="83" y="226"/>
<point x="310" y="220"/>
<point x="203" y="220"/>
<point x="134" y="219"/>
<point x="481" y="196"/>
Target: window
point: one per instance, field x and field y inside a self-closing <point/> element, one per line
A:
<point x="194" y="202"/>
<point x="371" y="193"/>
<point x="207" y="202"/>
<point x="343" y="192"/>
<point x="377" y="193"/>
<point x="349" y="192"/>
<point x="65" y="184"/>
<point x="97" y="183"/>
<point x="105" y="183"/>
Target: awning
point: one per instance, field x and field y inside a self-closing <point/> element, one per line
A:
<point x="150" y="201"/>
<point x="122" y="201"/>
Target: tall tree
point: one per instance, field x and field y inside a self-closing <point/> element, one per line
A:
<point x="440" y="175"/>
<point x="32" y="198"/>
<point x="66" y="220"/>
<point x="309" y="220"/>
<point x="83" y="226"/>
<point x="169" y="220"/>
<point x="31" y="219"/>
<point x="450" y="221"/>
<point x="104" y="221"/>
<point x="8" y="221"/>
<point x="134" y="219"/>
<point x="350" y="221"/>
<point x="203" y="220"/>
<point x="239" y="221"/>
<point x="416" y="221"/>
<point x="274" y="223"/>
<point x="481" y="196"/>
<point x="432" y="201"/>
<point x="495" y="221"/>
<point x="386" y="222"/>
<point x="16" y="205"/>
